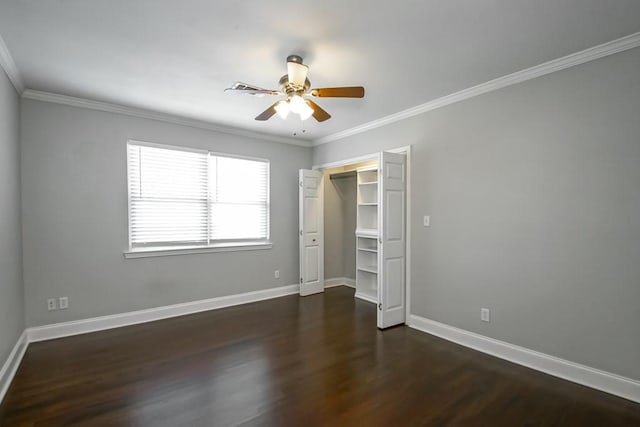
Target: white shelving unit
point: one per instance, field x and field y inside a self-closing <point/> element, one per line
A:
<point x="367" y="235"/>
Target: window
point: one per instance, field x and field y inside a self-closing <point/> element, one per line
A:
<point x="183" y="198"/>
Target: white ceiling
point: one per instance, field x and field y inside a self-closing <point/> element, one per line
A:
<point x="177" y="57"/>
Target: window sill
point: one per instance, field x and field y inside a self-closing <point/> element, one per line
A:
<point x="223" y="247"/>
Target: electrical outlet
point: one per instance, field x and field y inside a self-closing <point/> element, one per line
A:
<point x="63" y="303"/>
<point x="276" y="274"/>
<point x="51" y="304"/>
<point x="426" y="220"/>
<point x="485" y="315"/>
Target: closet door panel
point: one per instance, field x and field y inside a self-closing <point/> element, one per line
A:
<point x="392" y="239"/>
<point x="311" y="239"/>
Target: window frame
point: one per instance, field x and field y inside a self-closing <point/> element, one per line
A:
<point x="221" y="245"/>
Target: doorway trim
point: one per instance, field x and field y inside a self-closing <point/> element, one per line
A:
<point x="406" y="149"/>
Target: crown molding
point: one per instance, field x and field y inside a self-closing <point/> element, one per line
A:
<point x="9" y="66"/>
<point x="153" y="115"/>
<point x="591" y="54"/>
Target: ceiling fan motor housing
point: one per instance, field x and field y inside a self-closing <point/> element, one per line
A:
<point x="290" y="89"/>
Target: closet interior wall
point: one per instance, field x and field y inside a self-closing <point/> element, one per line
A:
<point x="340" y="209"/>
<point x="339" y="225"/>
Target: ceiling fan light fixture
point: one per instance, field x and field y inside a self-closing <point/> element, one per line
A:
<point x="282" y="108"/>
<point x="306" y="112"/>
<point x="297" y="104"/>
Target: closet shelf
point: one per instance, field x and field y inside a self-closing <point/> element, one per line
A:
<point x="340" y="175"/>
<point x="368" y="183"/>
<point x="368" y="250"/>
<point x="368" y="296"/>
<point x="367" y="232"/>
<point x="368" y="204"/>
<point x="368" y="268"/>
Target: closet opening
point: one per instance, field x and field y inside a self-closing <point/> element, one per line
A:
<point x="350" y="228"/>
<point x="353" y="231"/>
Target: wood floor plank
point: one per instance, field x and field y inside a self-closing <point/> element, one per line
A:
<point x="290" y="361"/>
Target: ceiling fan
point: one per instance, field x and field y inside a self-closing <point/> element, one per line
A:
<point x="295" y="86"/>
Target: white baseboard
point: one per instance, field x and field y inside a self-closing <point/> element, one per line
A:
<point x="366" y="298"/>
<point x="339" y="281"/>
<point x="65" y="329"/>
<point x="581" y="374"/>
<point x="10" y="367"/>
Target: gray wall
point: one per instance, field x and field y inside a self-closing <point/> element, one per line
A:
<point x="339" y="226"/>
<point x="75" y="217"/>
<point x="11" y="292"/>
<point x="534" y="197"/>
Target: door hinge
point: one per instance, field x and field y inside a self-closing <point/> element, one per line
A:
<point x="301" y="232"/>
<point x="300" y="183"/>
<point x="380" y="239"/>
<point x="380" y="306"/>
<point x="301" y="280"/>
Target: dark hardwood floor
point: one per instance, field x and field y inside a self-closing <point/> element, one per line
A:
<point x="289" y="361"/>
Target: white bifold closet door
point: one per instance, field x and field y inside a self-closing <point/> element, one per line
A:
<point x="311" y="222"/>
<point x="392" y="190"/>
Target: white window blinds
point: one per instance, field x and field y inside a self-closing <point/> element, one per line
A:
<point x="181" y="197"/>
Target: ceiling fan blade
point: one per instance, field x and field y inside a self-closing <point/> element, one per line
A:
<point x="254" y="91"/>
<point x="239" y="87"/>
<point x="339" y="92"/>
<point x="318" y="113"/>
<point x="268" y="113"/>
